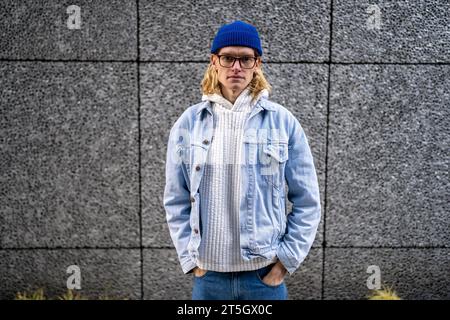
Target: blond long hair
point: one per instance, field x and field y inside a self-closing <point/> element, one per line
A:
<point x="210" y="83"/>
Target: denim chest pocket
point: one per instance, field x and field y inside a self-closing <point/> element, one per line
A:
<point x="192" y="154"/>
<point x="273" y="157"/>
<point x="183" y="153"/>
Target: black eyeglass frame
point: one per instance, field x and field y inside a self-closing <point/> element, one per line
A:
<point x="237" y="58"/>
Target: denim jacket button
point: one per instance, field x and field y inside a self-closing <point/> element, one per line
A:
<point x="206" y="141"/>
<point x="196" y="230"/>
<point x="197" y="168"/>
<point x="192" y="199"/>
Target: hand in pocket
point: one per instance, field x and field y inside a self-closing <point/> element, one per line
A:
<point x="199" y="272"/>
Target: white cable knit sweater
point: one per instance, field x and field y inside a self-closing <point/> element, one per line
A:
<point x="219" y="249"/>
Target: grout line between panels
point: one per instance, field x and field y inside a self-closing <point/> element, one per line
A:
<point x="388" y="247"/>
<point x="172" y="248"/>
<point x="324" y="234"/>
<point x="205" y="61"/>
<point x="138" y="55"/>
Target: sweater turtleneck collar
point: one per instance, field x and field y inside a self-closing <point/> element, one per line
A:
<point x="243" y="101"/>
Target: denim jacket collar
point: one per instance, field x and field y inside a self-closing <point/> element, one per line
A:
<point x="261" y="99"/>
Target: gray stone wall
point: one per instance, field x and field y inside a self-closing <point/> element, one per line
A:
<point x="86" y="111"/>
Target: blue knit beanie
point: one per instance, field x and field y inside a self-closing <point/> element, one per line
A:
<point x="237" y="33"/>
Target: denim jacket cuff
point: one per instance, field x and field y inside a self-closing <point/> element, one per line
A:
<point x="286" y="259"/>
<point x="187" y="266"/>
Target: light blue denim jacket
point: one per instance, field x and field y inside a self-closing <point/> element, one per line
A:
<point x="275" y="152"/>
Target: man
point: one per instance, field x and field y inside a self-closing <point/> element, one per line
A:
<point x="228" y="160"/>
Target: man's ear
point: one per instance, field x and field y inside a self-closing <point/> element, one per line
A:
<point x="258" y="62"/>
<point x="213" y="60"/>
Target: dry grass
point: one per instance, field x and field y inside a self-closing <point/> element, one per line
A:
<point x="69" y="295"/>
<point x="36" y="295"/>
<point x="385" y="293"/>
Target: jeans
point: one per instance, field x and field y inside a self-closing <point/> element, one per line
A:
<point x="243" y="285"/>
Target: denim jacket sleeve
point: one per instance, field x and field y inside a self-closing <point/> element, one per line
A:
<point x="303" y="221"/>
<point x="177" y="202"/>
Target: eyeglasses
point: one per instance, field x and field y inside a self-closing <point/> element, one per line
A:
<point x="246" y="62"/>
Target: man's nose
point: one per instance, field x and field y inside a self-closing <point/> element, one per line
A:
<point x="236" y="65"/>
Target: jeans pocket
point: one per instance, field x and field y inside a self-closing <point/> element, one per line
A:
<point x="203" y="275"/>
<point x="261" y="273"/>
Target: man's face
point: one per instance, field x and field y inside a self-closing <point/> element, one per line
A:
<point x="235" y="77"/>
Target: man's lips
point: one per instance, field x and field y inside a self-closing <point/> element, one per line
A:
<point x="235" y="77"/>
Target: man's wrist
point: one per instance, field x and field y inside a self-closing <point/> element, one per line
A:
<point x="279" y="268"/>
